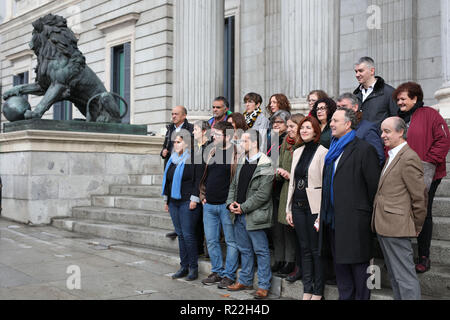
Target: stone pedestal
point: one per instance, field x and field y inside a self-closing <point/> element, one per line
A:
<point x="443" y="94"/>
<point x="199" y="54"/>
<point x="46" y="173"/>
<point x="310" y="40"/>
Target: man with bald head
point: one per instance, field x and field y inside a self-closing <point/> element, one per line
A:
<point x="179" y="122"/>
<point x="400" y="209"/>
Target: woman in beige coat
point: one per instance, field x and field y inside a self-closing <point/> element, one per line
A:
<point x="303" y="205"/>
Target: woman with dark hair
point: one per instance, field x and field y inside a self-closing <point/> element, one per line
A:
<point x="201" y="142"/>
<point x="303" y="205"/>
<point x="278" y="102"/>
<point x="240" y="126"/>
<point x="429" y="137"/>
<point x="285" y="246"/>
<point x="238" y="121"/>
<point x="181" y="189"/>
<point x="323" y="111"/>
<point x="254" y="117"/>
<point x="315" y="96"/>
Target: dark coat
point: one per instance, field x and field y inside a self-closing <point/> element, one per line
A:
<point x="368" y="132"/>
<point x="168" y="143"/>
<point x="190" y="184"/>
<point x="355" y="185"/>
<point x="379" y="105"/>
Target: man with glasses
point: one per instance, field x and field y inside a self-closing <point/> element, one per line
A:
<point x="220" y="166"/>
<point x="220" y="111"/>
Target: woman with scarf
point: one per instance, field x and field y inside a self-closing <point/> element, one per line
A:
<point x="303" y="205"/>
<point x="287" y="250"/>
<point x="181" y="188"/>
<point x="429" y="137"/>
<point x="254" y="117"/>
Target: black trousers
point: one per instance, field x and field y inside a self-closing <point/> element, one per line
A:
<point x="424" y="239"/>
<point x="351" y="278"/>
<point x="308" y="240"/>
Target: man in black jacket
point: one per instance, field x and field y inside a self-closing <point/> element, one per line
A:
<point x="375" y="95"/>
<point x="179" y="122"/>
<point x="350" y="182"/>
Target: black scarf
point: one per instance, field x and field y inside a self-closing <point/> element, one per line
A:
<point x="408" y="114"/>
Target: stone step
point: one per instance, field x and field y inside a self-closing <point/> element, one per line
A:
<point x="288" y="290"/>
<point x="444" y="189"/>
<point x="441" y="228"/>
<point x="129" y="202"/>
<point x="441" y="207"/>
<point x="439" y="252"/>
<point x="155" y="179"/>
<point x="131" y="217"/>
<point x="434" y="283"/>
<point x="135" y="190"/>
<point x="144" y="236"/>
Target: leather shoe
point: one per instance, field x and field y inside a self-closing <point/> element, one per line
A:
<point x="287" y="268"/>
<point x="261" y="294"/>
<point x="180" y="273"/>
<point x="239" y="287"/>
<point x="193" y="275"/>
<point x="277" y="266"/>
<point x="172" y="235"/>
<point x="295" y="275"/>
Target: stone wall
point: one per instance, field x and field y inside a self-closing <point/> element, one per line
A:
<point x="39" y="184"/>
<point x="406" y="48"/>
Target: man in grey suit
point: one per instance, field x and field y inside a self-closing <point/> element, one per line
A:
<point x="400" y="209"/>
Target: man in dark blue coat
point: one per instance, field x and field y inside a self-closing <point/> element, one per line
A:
<point x="365" y="130"/>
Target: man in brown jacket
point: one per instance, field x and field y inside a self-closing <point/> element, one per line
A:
<point x="400" y="209"/>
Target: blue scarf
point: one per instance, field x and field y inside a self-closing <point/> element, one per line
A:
<point x="336" y="149"/>
<point x="179" y="161"/>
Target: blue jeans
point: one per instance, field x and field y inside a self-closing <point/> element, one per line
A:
<point x="251" y="243"/>
<point x="215" y="216"/>
<point x="185" y="221"/>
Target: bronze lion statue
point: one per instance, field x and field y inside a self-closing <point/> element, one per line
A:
<point x="62" y="74"/>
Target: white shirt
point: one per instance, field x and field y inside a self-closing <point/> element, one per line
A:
<point x="366" y="92"/>
<point x="337" y="161"/>
<point x="178" y="129"/>
<point x="393" y="153"/>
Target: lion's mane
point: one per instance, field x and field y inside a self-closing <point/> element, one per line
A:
<point x="52" y="37"/>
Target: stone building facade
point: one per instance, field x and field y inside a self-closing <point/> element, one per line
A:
<point x="159" y="53"/>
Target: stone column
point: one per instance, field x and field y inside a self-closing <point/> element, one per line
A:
<point x="309" y="48"/>
<point x="199" y="55"/>
<point x="443" y="94"/>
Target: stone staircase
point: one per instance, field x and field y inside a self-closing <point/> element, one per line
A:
<point x="133" y="216"/>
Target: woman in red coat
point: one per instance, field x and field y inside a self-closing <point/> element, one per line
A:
<point x="429" y="137"/>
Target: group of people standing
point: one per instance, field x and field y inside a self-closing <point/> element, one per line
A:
<point x="315" y="189"/>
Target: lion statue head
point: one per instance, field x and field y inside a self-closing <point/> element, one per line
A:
<point x="52" y="37"/>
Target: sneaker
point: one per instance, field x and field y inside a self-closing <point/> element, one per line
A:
<point x="212" y="279"/>
<point x="424" y="265"/>
<point x="225" y="283"/>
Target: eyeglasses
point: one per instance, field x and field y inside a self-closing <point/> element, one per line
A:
<point x="278" y="122"/>
<point x="322" y="109"/>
